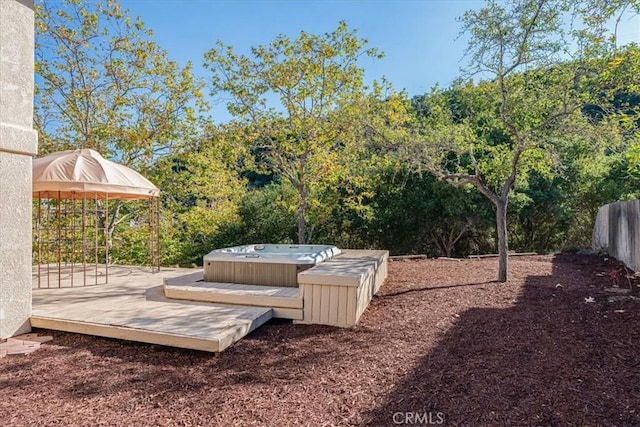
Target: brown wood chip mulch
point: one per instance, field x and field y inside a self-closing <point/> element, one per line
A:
<point x="442" y="343"/>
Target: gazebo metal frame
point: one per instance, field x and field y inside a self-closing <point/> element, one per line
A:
<point x="71" y="227"/>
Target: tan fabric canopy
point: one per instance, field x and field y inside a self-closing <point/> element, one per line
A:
<point x="85" y="173"/>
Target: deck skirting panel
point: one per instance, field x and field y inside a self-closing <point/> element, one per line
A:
<point x="338" y="291"/>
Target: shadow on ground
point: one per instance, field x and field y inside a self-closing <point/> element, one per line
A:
<point x="551" y="358"/>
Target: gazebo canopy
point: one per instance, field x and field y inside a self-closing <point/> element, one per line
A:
<point x="86" y="174"/>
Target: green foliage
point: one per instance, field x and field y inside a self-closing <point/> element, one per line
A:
<point x="591" y="24"/>
<point x="313" y="154"/>
<point x="633" y="156"/>
<point x="557" y="212"/>
<point x="267" y="215"/>
<point x="260" y="216"/>
<point x="303" y="102"/>
<point x="102" y="83"/>
<point x="419" y="214"/>
<point x="201" y="190"/>
<point x="130" y="242"/>
<point x="500" y="134"/>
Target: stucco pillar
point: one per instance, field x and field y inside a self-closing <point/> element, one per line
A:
<point x="18" y="143"/>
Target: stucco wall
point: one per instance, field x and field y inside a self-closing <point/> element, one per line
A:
<point x="617" y="230"/>
<point x="18" y="142"/>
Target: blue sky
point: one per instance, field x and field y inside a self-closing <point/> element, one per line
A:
<point x="419" y="37"/>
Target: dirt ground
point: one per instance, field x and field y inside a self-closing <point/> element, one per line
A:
<point x="442" y="344"/>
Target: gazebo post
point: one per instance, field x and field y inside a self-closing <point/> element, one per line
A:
<point x="154" y="234"/>
<point x="73" y="234"/>
<point x="106" y="237"/>
<point x="48" y="244"/>
<point x="97" y="233"/>
<point x="38" y="228"/>
<point x="84" y="240"/>
<point x="58" y="241"/>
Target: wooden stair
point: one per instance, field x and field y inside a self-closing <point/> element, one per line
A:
<point x="286" y="302"/>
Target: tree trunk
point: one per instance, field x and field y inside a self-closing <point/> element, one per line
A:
<point x="503" y="243"/>
<point x="112" y="216"/>
<point x="114" y="219"/>
<point x="302" y="225"/>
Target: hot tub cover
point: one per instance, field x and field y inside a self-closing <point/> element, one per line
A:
<point x="85" y="173"/>
<point x="273" y="253"/>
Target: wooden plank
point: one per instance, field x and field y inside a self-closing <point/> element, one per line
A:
<point x="136" y="304"/>
<point x="234" y="335"/>
<point x="138" y="315"/>
<point x="33" y="338"/>
<point x="369" y="284"/>
<point x="255" y="273"/>
<point x="325" y="307"/>
<point x="401" y="257"/>
<point x="347" y="269"/>
<point x="342" y="306"/>
<point x="341" y="288"/>
<point x="219" y="271"/>
<point x="382" y="274"/>
<point x="18" y="346"/>
<point x="361" y="253"/>
<point x="276" y="274"/>
<point x="185" y="279"/>
<point x="288" y="313"/>
<point x="364" y="295"/>
<point x="207" y="295"/>
<point x="307" y="297"/>
<point x="217" y="340"/>
<point x="315" y="303"/>
<point x="238" y="289"/>
<point x="119" y="332"/>
<point x="334" y="294"/>
<point x="352" y="306"/>
<point x="360" y="296"/>
<point x="497" y="255"/>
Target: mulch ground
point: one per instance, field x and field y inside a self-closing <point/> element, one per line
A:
<point x="442" y="343"/>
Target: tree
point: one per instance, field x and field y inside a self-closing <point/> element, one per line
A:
<point x="594" y="33"/>
<point x="102" y="83"/>
<point x="527" y="97"/>
<point x="301" y="101"/>
<point x="202" y="191"/>
<point x="531" y="97"/>
<point x="619" y="98"/>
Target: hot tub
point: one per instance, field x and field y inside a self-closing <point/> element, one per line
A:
<point x="270" y="265"/>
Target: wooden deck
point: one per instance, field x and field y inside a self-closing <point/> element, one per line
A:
<point x="132" y="307"/>
<point x="175" y="307"/>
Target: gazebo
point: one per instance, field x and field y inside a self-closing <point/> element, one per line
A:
<point x="79" y="194"/>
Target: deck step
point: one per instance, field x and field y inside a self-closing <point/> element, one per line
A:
<point x="285" y="301"/>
